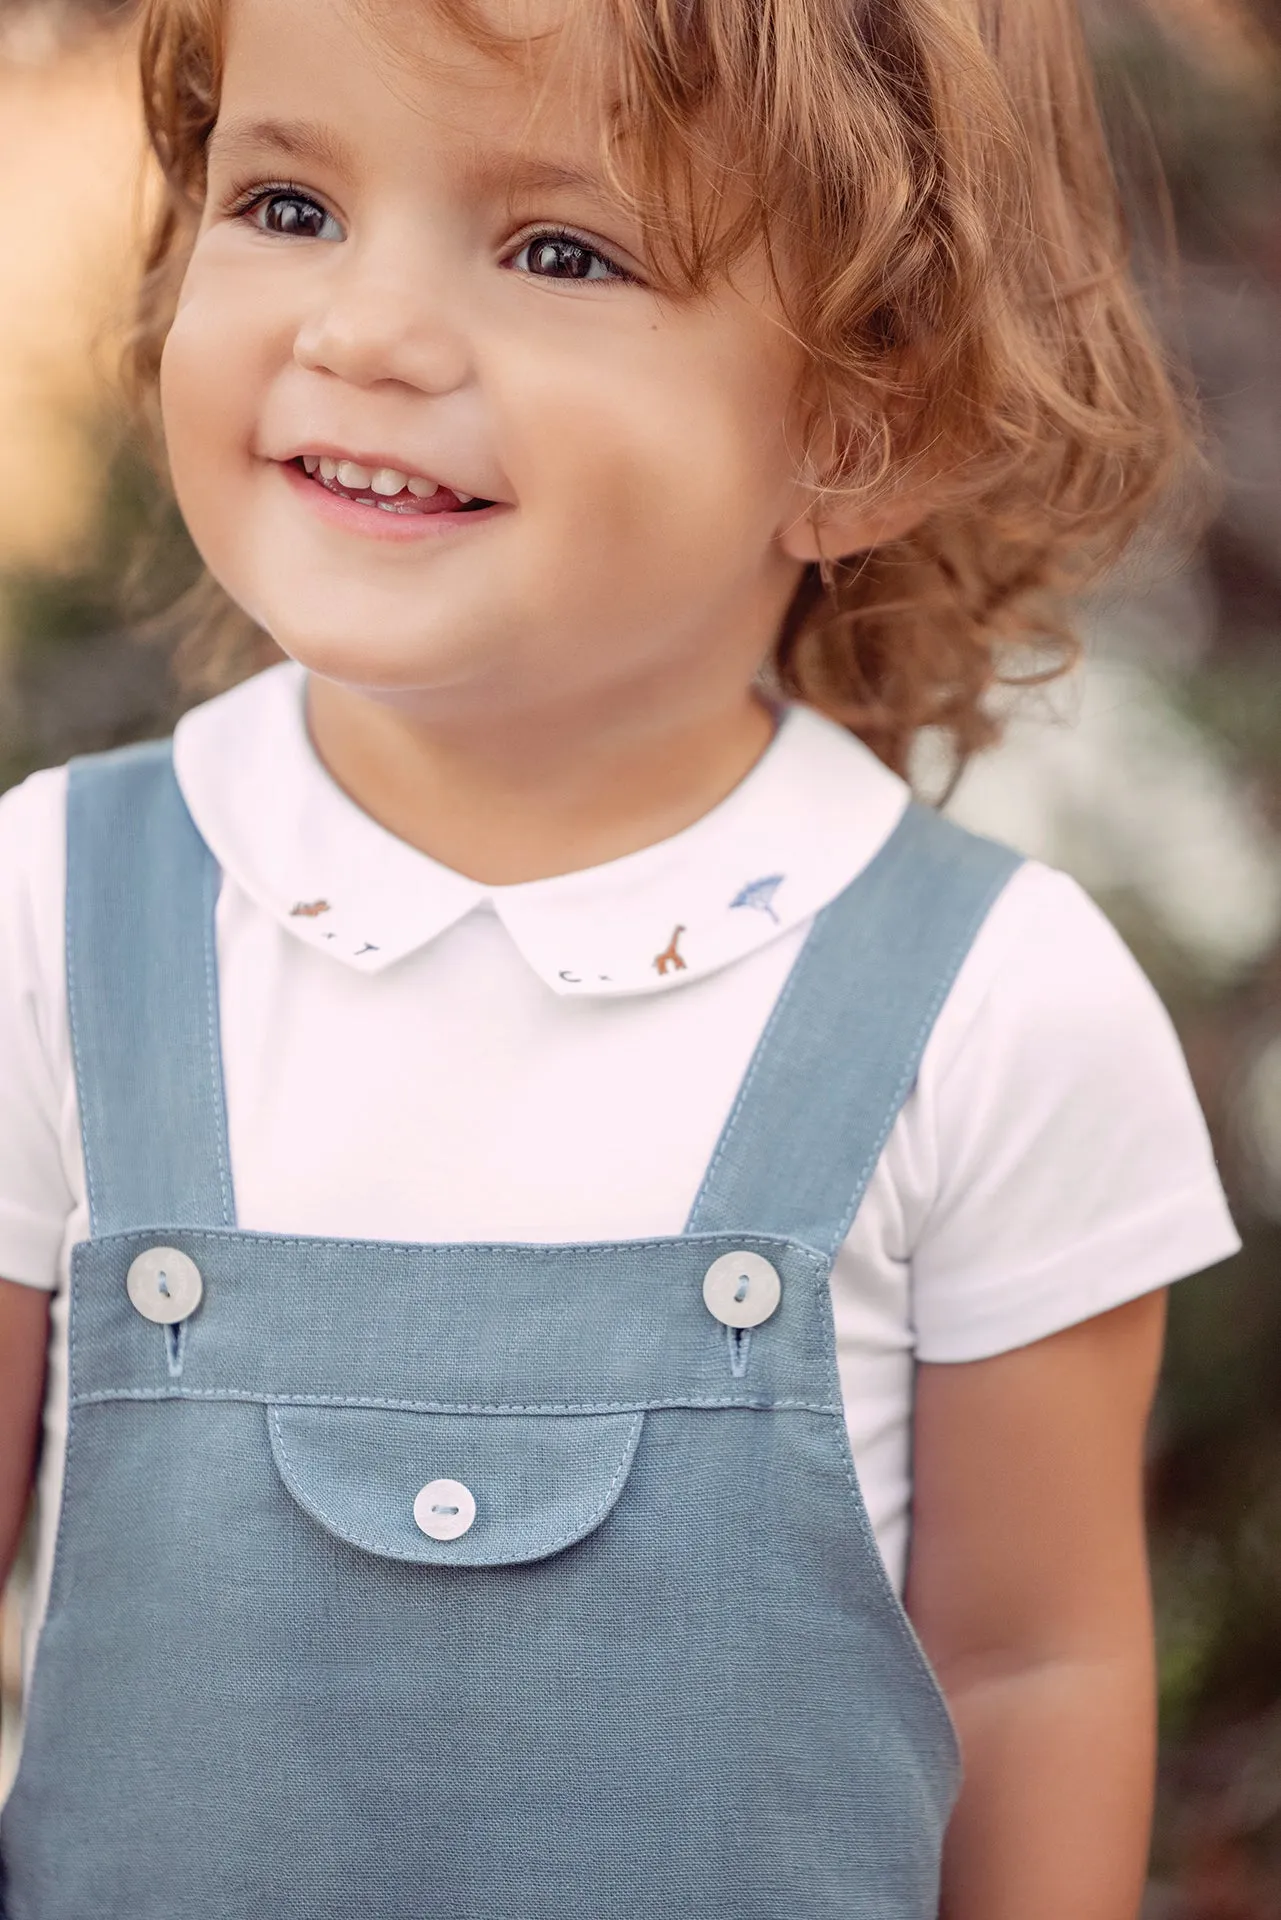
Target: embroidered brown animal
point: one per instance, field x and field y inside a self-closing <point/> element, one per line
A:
<point x="669" y="957"/>
<point x="308" y="909"/>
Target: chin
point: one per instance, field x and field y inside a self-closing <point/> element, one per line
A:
<point x="419" y="664"/>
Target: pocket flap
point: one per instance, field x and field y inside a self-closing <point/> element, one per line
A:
<point x="539" y="1483"/>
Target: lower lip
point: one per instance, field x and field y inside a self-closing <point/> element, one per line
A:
<point x="376" y="523"/>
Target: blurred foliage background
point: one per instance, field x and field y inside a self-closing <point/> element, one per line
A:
<point x="1155" y="776"/>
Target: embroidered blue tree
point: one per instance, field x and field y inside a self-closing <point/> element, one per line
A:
<point x="760" y="895"/>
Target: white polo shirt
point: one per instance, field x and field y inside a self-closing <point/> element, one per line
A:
<point x="411" y="1055"/>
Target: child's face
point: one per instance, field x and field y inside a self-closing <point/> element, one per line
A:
<point x="398" y="267"/>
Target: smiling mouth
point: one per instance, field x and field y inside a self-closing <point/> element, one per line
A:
<point x="385" y="488"/>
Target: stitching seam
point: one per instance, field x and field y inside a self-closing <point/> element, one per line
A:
<point x="576" y="1532"/>
<point x="961" y="948"/>
<point x="210" y="887"/>
<point x="527" y="1249"/>
<point x="106" y="1395"/>
<point x="902" y="1620"/>
<point x="758" y="1058"/>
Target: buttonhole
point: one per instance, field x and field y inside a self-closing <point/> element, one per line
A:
<point x="162" y="1283"/>
<point x="175" y="1347"/>
<point x="450" y="1511"/>
<point x="740" y="1291"/>
<point x="740" y="1340"/>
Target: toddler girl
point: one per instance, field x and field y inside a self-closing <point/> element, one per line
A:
<point x="531" y="1158"/>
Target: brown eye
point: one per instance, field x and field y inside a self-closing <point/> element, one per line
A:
<point x="294" y="217"/>
<point x="559" y="256"/>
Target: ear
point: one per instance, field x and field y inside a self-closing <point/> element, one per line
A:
<point x="828" y="532"/>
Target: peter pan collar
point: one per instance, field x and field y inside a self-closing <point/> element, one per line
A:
<point x="808" y="817"/>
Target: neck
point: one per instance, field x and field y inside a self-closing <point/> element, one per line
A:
<point x="525" y="796"/>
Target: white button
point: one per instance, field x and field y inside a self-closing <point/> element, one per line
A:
<point x="165" y="1285"/>
<point x="444" y="1509"/>
<point x="742" y="1289"/>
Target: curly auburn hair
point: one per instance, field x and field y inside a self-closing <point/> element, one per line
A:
<point x="957" y="272"/>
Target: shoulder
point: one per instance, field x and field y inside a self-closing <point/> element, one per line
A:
<point x="1063" y="1164"/>
<point x="33" y="870"/>
<point x="1047" y="962"/>
<point x="36" y="805"/>
<point x="34" y="1041"/>
<point x="33" y="860"/>
<point x="1052" y="1018"/>
<point x="37" y="1144"/>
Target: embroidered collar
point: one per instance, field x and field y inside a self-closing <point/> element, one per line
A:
<point x="809" y="816"/>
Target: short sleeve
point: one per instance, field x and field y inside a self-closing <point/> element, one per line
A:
<point x="35" y="1197"/>
<point x="1071" y="1165"/>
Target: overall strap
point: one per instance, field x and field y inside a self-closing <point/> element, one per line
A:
<point x="142" y="990"/>
<point x="841" y="1051"/>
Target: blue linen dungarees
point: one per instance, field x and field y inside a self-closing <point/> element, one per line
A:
<point x="473" y="1582"/>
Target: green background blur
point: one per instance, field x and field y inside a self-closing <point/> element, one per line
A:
<point x="1155" y="777"/>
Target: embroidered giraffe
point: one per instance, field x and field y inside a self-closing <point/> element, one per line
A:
<point x="670" y="956"/>
<point x="308" y="909"/>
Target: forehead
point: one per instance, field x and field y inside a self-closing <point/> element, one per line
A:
<point x="504" y="67"/>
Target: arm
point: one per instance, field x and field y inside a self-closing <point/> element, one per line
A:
<point x="1028" y="1585"/>
<point x="24" y="1334"/>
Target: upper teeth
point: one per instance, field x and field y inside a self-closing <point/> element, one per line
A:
<point x="387" y="481"/>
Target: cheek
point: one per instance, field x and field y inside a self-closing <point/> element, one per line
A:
<point x="210" y="365"/>
<point x="657" y="451"/>
<point x="208" y="386"/>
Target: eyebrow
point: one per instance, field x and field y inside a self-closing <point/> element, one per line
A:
<point x="309" y="140"/>
<point x="299" y="139"/>
<point x="526" y="174"/>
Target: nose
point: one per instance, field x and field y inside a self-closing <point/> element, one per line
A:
<point x="375" y="317"/>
